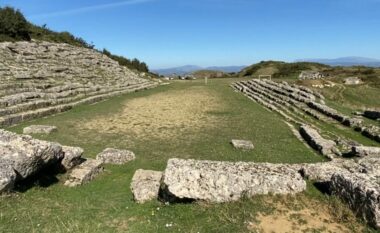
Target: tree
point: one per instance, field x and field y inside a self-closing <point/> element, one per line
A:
<point x="13" y="24"/>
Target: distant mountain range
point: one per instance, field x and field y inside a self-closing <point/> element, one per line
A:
<point x="183" y="70"/>
<point x="346" y="61"/>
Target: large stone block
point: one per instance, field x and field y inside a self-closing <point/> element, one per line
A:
<point x="26" y="155"/>
<point x="316" y="141"/>
<point x="145" y="185"/>
<point x="227" y="181"/>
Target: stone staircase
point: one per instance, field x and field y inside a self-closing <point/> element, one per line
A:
<point x="41" y="78"/>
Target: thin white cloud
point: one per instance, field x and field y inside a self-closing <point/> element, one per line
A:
<point x="88" y="9"/>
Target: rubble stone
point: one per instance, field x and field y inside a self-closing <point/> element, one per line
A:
<point x="145" y="185"/>
<point x="84" y="173"/>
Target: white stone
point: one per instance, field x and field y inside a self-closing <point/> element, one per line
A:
<point x="242" y="144"/>
<point x="115" y="156"/>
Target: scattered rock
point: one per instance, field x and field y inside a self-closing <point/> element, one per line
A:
<point x="145" y="185"/>
<point x="362" y="151"/>
<point x="84" y="173"/>
<point x="115" y="156"/>
<point x="242" y="144"/>
<point x="39" y="129"/>
<point x="227" y="181"/>
<point x="72" y="157"/>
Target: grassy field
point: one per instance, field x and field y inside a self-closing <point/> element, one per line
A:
<point x="185" y="120"/>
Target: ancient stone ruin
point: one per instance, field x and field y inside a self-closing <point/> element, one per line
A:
<point x="356" y="181"/>
<point x="42" y="78"/>
<point x="226" y="181"/>
<point x="309" y="74"/>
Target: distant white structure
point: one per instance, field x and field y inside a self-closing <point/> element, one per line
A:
<point x="352" y="81"/>
<point x="265" y="76"/>
<point x="310" y="75"/>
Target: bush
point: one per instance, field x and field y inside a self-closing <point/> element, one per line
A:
<point x="134" y="64"/>
<point x="13" y="25"/>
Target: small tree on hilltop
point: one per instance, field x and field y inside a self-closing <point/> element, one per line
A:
<point x="13" y="24"/>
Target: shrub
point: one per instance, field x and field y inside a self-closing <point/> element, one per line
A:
<point x="13" y="25"/>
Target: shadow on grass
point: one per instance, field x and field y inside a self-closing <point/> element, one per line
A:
<point x="43" y="179"/>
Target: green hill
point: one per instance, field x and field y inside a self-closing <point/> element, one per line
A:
<point x="286" y="70"/>
<point x="280" y="69"/>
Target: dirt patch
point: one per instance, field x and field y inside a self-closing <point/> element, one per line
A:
<point x="300" y="216"/>
<point x="164" y="115"/>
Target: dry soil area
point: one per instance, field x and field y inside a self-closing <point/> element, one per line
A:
<point x="163" y="115"/>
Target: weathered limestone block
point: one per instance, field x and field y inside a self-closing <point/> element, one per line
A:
<point x="227" y="181"/>
<point x="27" y="155"/>
<point x="316" y="141"/>
<point x="242" y="144"/>
<point x="84" y="173"/>
<point x="361" y="192"/>
<point x="39" y="129"/>
<point x="327" y="111"/>
<point x="7" y="176"/>
<point x="72" y="156"/>
<point x="145" y="185"/>
<point x="322" y="172"/>
<point x="362" y="151"/>
<point x="115" y="156"/>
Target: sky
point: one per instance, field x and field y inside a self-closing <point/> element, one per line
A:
<point x="169" y="33"/>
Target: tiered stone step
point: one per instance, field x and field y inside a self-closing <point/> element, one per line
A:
<point x="42" y="78"/>
<point x="41" y="112"/>
<point x="299" y="99"/>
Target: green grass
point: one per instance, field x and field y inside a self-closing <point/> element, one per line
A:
<point x="106" y="205"/>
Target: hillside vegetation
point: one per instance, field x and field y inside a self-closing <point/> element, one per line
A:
<point x="15" y="27"/>
<point x="285" y="70"/>
<point x="280" y="69"/>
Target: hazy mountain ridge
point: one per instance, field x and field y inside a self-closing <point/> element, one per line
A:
<point x="345" y="61"/>
<point x="183" y="70"/>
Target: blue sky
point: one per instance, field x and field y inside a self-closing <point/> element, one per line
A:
<point x="166" y="33"/>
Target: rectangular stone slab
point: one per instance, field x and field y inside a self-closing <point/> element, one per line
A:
<point x="228" y="181"/>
